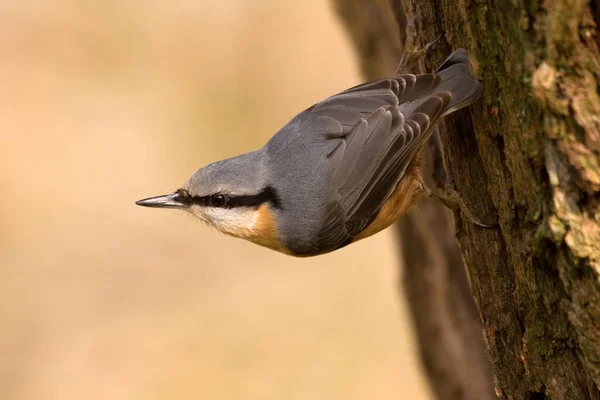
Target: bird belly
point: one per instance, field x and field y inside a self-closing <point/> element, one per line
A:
<point x="407" y="192"/>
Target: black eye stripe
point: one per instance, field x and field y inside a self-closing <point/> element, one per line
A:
<point x="219" y="200"/>
<point x="267" y="195"/>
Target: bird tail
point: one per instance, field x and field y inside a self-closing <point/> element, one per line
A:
<point x="450" y="88"/>
<point x="458" y="80"/>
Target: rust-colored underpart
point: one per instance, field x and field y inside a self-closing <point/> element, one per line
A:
<point x="407" y="192"/>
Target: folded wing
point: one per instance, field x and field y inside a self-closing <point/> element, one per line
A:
<point x="384" y="123"/>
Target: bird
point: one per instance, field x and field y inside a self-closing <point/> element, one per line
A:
<point x="340" y="171"/>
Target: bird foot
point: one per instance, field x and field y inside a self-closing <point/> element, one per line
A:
<point x="453" y="201"/>
<point x="412" y="54"/>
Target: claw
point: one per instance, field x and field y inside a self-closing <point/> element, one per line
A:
<point x="454" y="202"/>
<point x="487" y="226"/>
<point x="410" y="56"/>
<point x="428" y="46"/>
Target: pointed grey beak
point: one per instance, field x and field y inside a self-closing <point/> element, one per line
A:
<point x="165" y="201"/>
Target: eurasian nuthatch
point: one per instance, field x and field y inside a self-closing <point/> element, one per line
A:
<point x="340" y="171"/>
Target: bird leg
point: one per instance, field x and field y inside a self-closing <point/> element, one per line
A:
<point x="453" y="201"/>
<point x="411" y="54"/>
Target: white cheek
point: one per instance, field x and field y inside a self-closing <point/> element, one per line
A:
<point x="252" y="220"/>
<point x="228" y="220"/>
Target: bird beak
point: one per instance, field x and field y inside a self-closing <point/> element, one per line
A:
<point x="165" y="201"/>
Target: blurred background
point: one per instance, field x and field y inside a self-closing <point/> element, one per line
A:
<point x="104" y="103"/>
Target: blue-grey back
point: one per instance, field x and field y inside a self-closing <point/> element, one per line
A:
<point x="298" y="164"/>
<point x="338" y="162"/>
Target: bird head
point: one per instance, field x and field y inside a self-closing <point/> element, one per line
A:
<point x="231" y="196"/>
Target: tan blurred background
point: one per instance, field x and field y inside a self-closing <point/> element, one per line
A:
<point x="104" y="103"/>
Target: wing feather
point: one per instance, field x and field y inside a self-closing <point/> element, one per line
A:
<point x="382" y="124"/>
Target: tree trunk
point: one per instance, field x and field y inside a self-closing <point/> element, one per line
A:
<point x="527" y="155"/>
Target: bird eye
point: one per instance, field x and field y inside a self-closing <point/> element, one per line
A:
<point x="219" y="200"/>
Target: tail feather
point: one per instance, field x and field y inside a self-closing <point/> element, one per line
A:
<point x="458" y="80"/>
<point x="454" y="79"/>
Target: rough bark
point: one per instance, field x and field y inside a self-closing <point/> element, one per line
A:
<point x="527" y="155"/>
<point x="434" y="279"/>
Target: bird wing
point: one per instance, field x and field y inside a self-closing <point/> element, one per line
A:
<point x="382" y="125"/>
